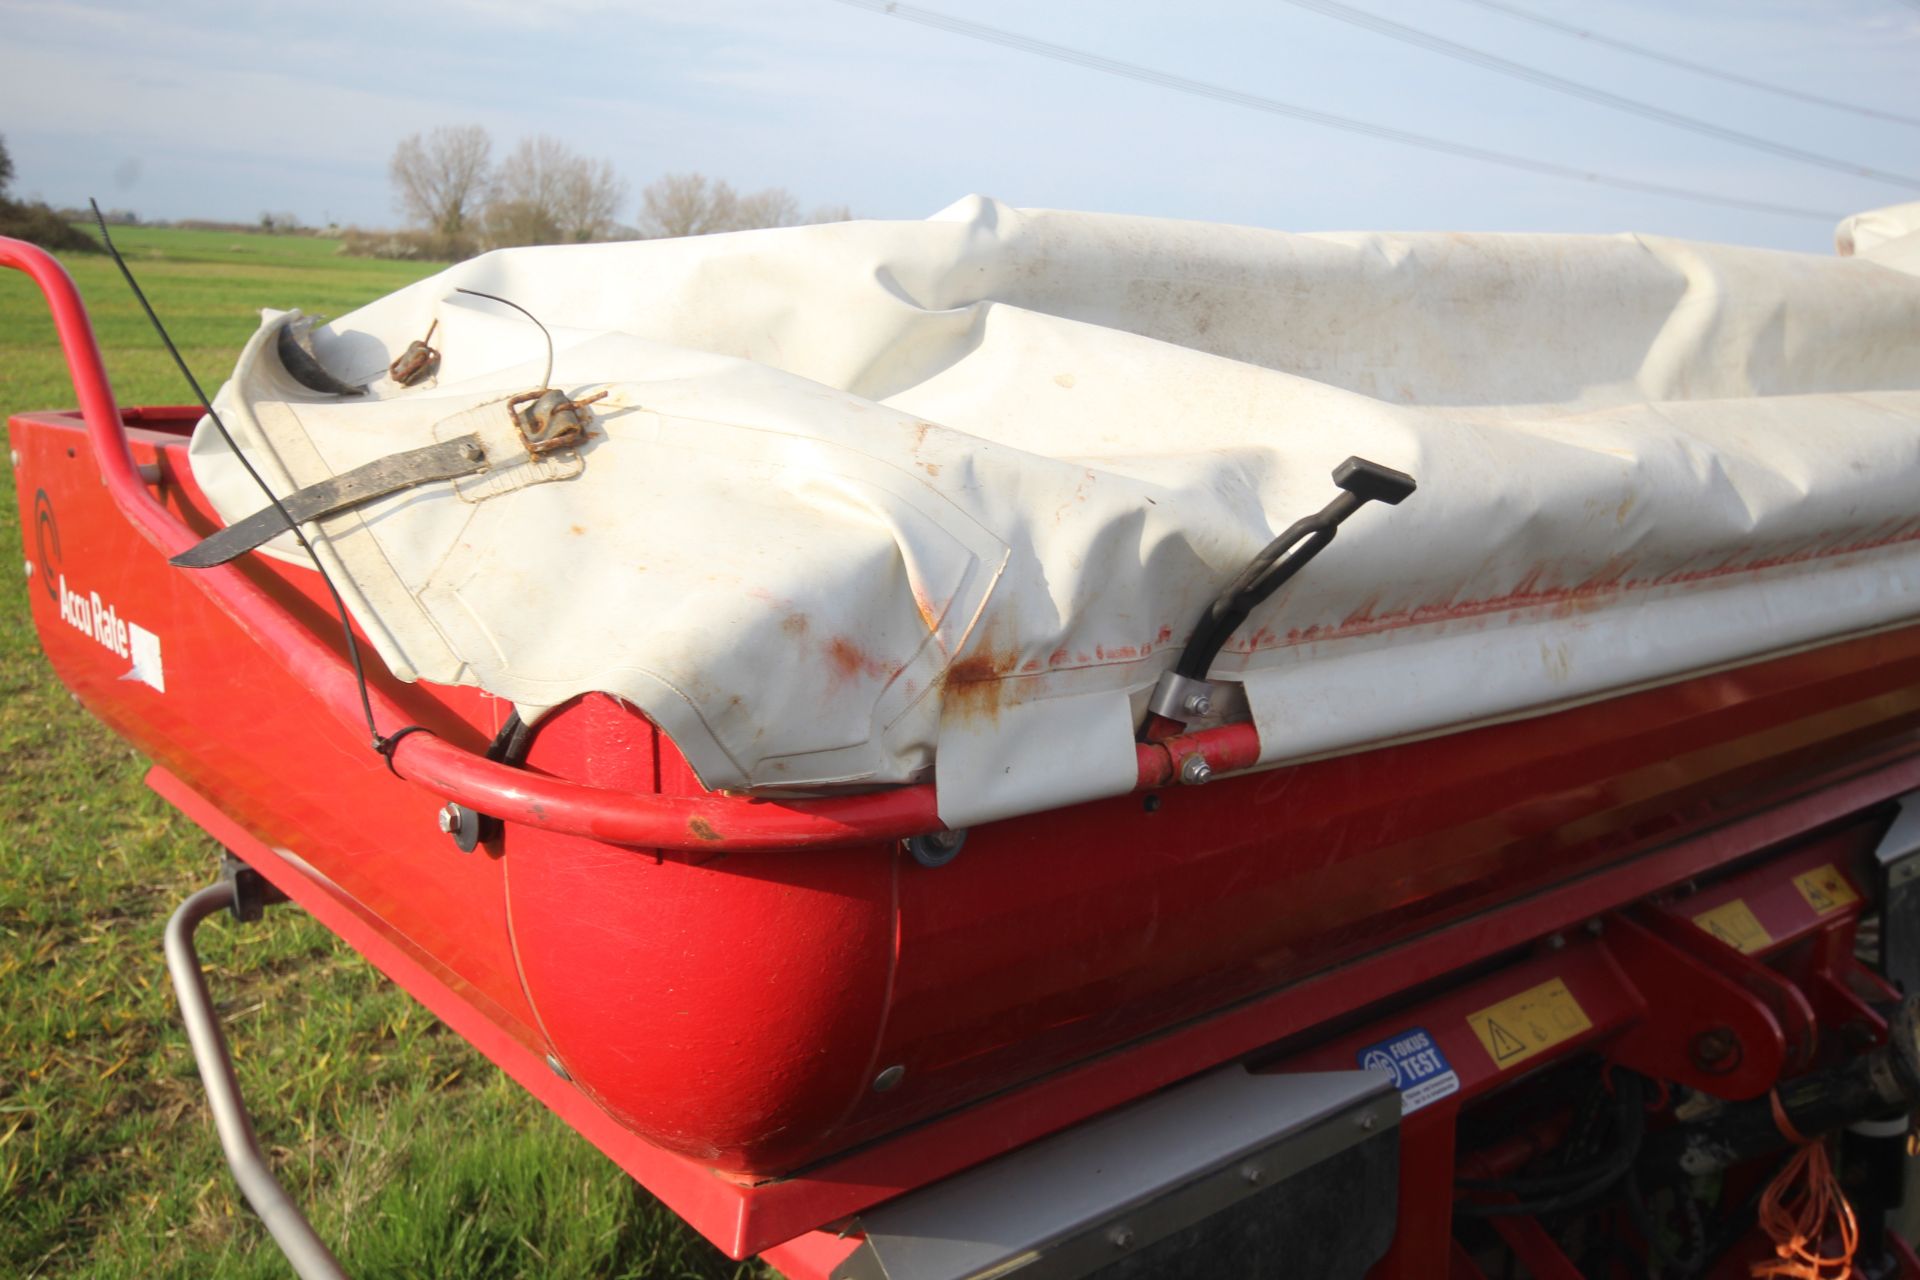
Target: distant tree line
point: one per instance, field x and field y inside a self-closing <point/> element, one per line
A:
<point x="33" y="221"/>
<point x="460" y="201"/>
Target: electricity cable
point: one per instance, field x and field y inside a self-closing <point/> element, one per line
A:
<point x="1273" y="106"/>
<point x="1574" y="88"/>
<point x="381" y="743"/>
<point x="1685" y="64"/>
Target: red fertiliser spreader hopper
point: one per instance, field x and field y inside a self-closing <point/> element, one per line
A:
<point x="1615" y="987"/>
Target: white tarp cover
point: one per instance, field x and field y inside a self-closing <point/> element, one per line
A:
<point x="879" y="501"/>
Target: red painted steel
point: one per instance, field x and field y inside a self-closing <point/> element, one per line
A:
<point x="980" y="945"/>
<point x="728" y="1004"/>
<point x="705" y="822"/>
<point x="1705" y="1030"/>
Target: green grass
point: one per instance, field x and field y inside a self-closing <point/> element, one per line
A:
<point x="413" y="1155"/>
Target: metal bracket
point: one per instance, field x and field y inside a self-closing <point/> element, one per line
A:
<point x="253" y="893"/>
<point x="1232" y="1173"/>
<point x="1178" y="697"/>
<point x="448" y="460"/>
<point x="311" y="1258"/>
<point x="1898" y="856"/>
<point x="1703" y="1029"/>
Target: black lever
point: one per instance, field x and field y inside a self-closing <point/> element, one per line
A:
<point x="1361" y="482"/>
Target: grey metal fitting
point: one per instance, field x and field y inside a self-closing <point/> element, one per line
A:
<point x="937" y="848"/>
<point x="463" y="824"/>
<point x="1178" y="697"/>
<point x="1195" y="771"/>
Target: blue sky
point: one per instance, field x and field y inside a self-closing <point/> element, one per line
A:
<point x="195" y="108"/>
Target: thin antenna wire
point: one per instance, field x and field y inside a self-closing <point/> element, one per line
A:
<point x="1272" y="106"/>
<point x="339" y="605"/>
<point x="1573" y="88"/>
<point x="546" y="379"/>
<point x="1698" y="68"/>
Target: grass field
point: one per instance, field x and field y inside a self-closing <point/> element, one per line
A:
<point x="413" y="1155"/>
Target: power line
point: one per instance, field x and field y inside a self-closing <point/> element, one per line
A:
<point x="1560" y="84"/>
<point x="1699" y="68"/>
<point x="1272" y="106"/>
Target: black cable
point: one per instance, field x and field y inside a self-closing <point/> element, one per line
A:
<point x="1574" y="88"/>
<point x="379" y="743"/>
<point x="1549" y="1193"/>
<point x="1273" y="106"/>
<point x="546" y="378"/>
<point x="1698" y="68"/>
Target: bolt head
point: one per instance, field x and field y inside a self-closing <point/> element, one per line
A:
<point x="449" y="818"/>
<point x="1199" y="704"/>
<point x="1122" y="1237"/>
<point x="1195" y="771"/>
<point x="889" y="1079"/>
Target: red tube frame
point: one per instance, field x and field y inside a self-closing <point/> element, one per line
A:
<point x="685" y="822"/>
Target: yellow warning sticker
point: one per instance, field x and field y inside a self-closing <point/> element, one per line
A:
<point x="1735" y="924"/>
<point x="1533" y="1021"/>
<point x="1825" y="889"/>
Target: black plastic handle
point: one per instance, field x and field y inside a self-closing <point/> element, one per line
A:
<point x="1361" y="482"/>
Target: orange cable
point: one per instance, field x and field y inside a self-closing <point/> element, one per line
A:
<point x="1801" y="1207"/>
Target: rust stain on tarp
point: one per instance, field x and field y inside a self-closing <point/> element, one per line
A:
<point x="974" y="687"/>
<point x="1602" y="587"/>
<point x="848" y="661"/>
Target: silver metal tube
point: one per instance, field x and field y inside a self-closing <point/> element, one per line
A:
<point x="311" y="1259"/>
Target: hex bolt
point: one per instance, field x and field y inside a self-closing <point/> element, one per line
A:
<point x="1253" y="1174"/>
<point x="889" y="1079"/>
<point x="1122" y="1237"/>
<point x="1366" y="1120"/>
<point x="1716" y="1050"/>
<point x="937" y="848"/>
<point x="462" y="824"/>
<point x="1195" y="771"/>
<point x="1199" y="704"/>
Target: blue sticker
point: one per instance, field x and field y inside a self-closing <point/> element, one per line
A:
<point x="1419" y="1070"/>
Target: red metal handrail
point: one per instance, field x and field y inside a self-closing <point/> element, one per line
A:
<point x="701" y="822"/>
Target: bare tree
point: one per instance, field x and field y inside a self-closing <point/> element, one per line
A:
<point x="689" y="204"/>
<point x="590" y="197"/>
<point x="6" y="169"/>
<point x="686" y="204"/>
<point x="830" y="213"/>
<point x="545" y="193"/>
<point x="774" y="207"/>
<point x="441" y="178"/>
